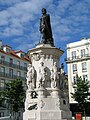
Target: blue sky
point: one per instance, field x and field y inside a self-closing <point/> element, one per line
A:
<point x="19" y="22"/>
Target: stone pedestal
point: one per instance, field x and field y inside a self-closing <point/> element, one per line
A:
<point x="48" y="102"/>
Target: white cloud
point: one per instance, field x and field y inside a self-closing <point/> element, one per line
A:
<point x="24" y="46"/>
<point x="63" y="5"/>
<point x="9" y="2"/>
<point x="21" y="18"/>
<point x="4" y="16"/>
<point x="15" y="17"/>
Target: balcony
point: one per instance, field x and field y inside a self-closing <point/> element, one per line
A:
<point x="77" y="58"/>
<point x="7" y="75"/>
<point x="13" y="65"/>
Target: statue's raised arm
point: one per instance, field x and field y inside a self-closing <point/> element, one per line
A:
<point x="45" y="28"/>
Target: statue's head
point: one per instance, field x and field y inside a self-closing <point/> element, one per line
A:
<point x="29" y="66"/>
<point x="55" y="64"/>
<point x="44" y="11"/>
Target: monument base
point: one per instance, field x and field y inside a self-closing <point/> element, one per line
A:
<point x="47" y="100"/>
<point x="49" y="109"/>
<point x="47" y="115"/>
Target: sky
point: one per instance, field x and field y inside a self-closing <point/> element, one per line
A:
<point x="20" y="20"/>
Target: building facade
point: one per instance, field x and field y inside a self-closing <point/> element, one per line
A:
<point x="78" y="62"/>
<point x="13" y="65"/>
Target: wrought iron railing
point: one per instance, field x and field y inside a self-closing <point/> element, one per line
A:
<point x="13" y="65"/>
<point x="77" y="57"/>
<point x="7" y="75"/>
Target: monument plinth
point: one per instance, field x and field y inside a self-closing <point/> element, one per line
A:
<point x="45" y="99"/>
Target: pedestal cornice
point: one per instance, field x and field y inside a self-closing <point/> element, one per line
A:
<point x="45" y="49"/>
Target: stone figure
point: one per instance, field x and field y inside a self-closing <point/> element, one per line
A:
<point x="29" y="102"/>
<point x="28" y="97"/>
<point x="41" y="104"/>
<point x="62" y="79"/>
<point x="54" y="75"/>
<point x="30" y="105"/>
<point x="42" y="76"/>
<point x="31" y="77"/>
<point x="45" y="28"/>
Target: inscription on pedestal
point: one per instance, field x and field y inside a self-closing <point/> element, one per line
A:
<point x="50" y="115"/>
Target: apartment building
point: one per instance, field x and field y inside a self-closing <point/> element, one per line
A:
<point x="78" y="62"/>
<point x="13" y="65"/>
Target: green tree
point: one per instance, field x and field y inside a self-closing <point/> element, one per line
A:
<point x="1" y="97"/>
<point x="14" y="94"/>
<point x="82" y="94"/>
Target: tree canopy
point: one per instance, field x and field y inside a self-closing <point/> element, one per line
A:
<point x="82" y="93"/>
<point x="14" y="94"/>
<point x="1" y="97"/>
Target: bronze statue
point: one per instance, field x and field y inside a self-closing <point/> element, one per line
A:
<point x="45" y="28"/>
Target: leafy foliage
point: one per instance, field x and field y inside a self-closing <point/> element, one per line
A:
<point x="81" y="94"/>
<point x="1" y="98"/>
<point x="14" y="93"/>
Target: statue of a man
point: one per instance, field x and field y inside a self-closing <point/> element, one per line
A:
<point x="31" y="77"/>
<point x="42" y="76"/>
<point x="54" y="76"/>
<point x="45" y="28"/>
<point x="62" y="79"/>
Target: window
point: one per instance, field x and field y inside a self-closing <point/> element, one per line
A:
<point x="1" y="114"/>
<point x="2" y="59"/>
<point x="74" y="79"/>
<point x="18" y="73"/>
<point x="11" y="61"/>
<point x="2" y="83"/>
<point x="7" y="50"/>
<point x="83" y="53"/>
<point x="85" y="78"/>
<point x="74" y="68"/>
<point x="22" y="55"/>
<point x="25" y="65"/>
<point x="11" y="72"/>
<point x="2" y="71"/>
<point x="84" y="66"/>
<point x="73" y="55"/>
<point x="18" y="63"/>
